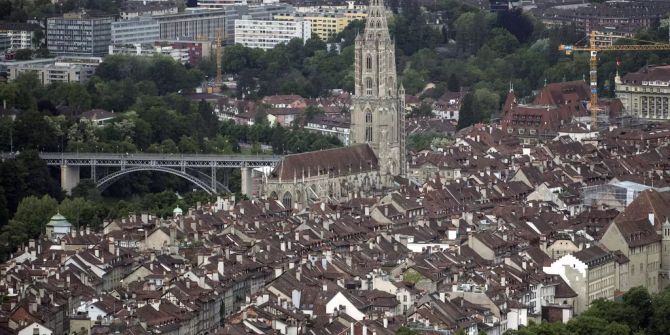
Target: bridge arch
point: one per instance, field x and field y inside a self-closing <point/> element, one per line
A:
<point x="111" y="178"/>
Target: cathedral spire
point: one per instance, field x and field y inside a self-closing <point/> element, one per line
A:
<point x="376" y="25"/>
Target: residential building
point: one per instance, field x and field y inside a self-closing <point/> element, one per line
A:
<point x="266" y="34"/>
<point x="641" y="244"/>
<point x="327" y="23"/>
<point x="136" y="30"/>
<point x="132" y="9"/>
<point x="338" y="126"/>
<point x="645" y="93"/>
<point x="182" y="51"/>
<point x="60" y="69"/>
<point x="591" y="273"/>
<point x="20" y="35"/>
<point x="79" y="34"/>
<point x="218" y="4"/>
<point x="633" y="15"/>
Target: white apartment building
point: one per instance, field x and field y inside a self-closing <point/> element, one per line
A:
<point x="266" y="34"/>
<point x="218" y="4"/>
<point x="138" y="30"/>
<point x="59" y="69"/>
<point x="19" y="35"/>
<point x="179" y="55"/>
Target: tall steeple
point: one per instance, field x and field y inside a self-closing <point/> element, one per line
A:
<point x="378" y="115"/>
<point x="376" y="25"/>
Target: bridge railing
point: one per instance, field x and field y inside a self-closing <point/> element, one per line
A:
<point x="155" y="156"/>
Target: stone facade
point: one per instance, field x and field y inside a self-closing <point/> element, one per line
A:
<point x="333" y="174"/>
<point x="645" y="93"/>
<point x="377" y="118"/>
<point x="641" y="244"/>
<point x="377" y="122"/>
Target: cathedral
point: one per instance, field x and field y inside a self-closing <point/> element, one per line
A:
<point x="377" y="153"/>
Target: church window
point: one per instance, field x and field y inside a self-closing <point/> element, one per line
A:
<point x="287" y="200"/>
<point x="368" y="126"/>
<point x="368" y="86"/>
<point x="368" y="63"/>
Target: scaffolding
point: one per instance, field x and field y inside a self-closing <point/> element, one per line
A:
<point x="616" y="194"/>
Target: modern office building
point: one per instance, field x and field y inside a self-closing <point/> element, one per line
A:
<point x="79" y="34"/>
<point x="645" y="93"/>
<point x="204" y="24"/>
<point x="137" y="30"/>
<point x="195" y="23"/>
<point x="266" y="34"/>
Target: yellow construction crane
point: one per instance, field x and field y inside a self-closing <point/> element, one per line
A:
<point x="594" y="48"/>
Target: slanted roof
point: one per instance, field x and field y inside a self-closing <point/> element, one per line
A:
<point x="637" y="232"/>
<point x="59" y="220"/>
<point x="593" y="256"/>
<point x="340" y="161"/>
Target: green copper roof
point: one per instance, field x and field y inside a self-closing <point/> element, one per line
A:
<point x="59" y="220"/>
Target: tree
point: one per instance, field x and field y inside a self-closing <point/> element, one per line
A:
<point x="33" y="131"/>
<point x="35" y="213"/>
<point x="81" y="212"/>
<point x="658" y="322"/>
<point x="24" y="54"/>
<point x="86" y="189"/>
<point x="406" y="331"/>
<point x="312" y="112"/>
<point x="36" y="177"/>
<point x="453" y="83"/>
<point x="467" y="115"/>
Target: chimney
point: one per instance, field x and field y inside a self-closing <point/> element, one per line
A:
<point x="652" y="218"/>
<point x="365" y="330"/>
<point x="220" y="266"/>
<point x="188" y="284"/>
<point x="112" y="247"/>
<point x="386" y="323"/>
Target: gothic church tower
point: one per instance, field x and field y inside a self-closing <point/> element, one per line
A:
<point x="377" y="116"/>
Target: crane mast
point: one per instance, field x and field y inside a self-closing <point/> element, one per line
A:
<point x="593" y="48"/>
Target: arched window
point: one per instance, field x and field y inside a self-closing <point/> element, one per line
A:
<point x="368" y="126"/>
<point x="368" y="63"/>
<point x="287" y="200"/>
<point x="273" y="195"/>
<point x="368" y="86"/>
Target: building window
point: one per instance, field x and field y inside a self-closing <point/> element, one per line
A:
<point x="368" y="126"/>
<point x="368" y="63"/>
<point x="287" y="200"/>
<point x="368" y="86"/>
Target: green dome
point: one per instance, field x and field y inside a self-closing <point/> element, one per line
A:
<point x="59" y="220"/>
<point x="177" y="211"/>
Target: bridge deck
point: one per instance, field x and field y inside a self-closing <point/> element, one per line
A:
<point x="163" y="160"/>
